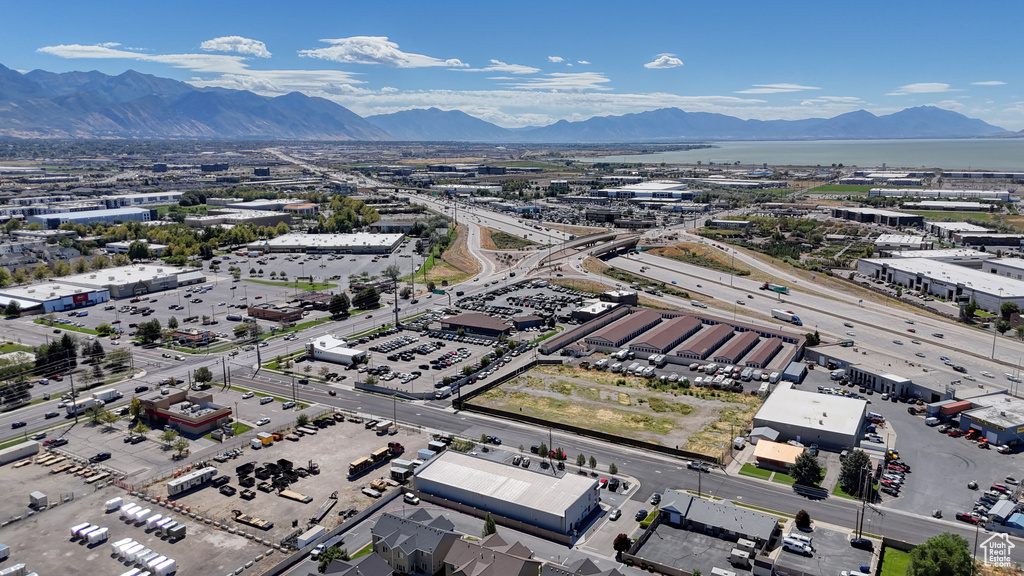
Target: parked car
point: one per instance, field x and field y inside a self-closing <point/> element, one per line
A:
<point x="640" y="515"/>
<point x="862" y="544"/>
<point x="615" y="514"/>
<point x="100" y="457"/>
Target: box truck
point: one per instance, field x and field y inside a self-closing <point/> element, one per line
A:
<point x="80" y="406"/>
<point x="107" y="395"/>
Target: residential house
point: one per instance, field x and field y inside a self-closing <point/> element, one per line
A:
<point x="414" y="545"/>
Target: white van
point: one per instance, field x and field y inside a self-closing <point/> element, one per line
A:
<point x="617" y="367"/>
<point x="931" y="421"/>
<point x="797" y="546"/>
<point x="698" y="304"/>
<point x="799" y="538"/>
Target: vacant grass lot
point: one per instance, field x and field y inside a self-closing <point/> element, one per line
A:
<point x="491" y="239"/>
<point x="895" y="562"/>
<point x="667" y="414"/>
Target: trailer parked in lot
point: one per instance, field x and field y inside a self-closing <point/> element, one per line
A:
<point x="190" y="480"/>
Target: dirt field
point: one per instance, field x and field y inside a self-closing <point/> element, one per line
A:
<point x="332" y="448"/>
<point x="694" y="419"/>
<point x="458" y="255"/>
<point x="42" y="540"/>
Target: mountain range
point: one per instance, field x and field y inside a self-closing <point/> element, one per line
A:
<point x="42" y="104"/>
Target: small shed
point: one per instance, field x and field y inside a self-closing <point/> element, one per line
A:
<point x="763" y="433"/>
<point x="38" y="500"/>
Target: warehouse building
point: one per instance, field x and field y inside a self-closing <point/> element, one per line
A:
<point x="137" y="279"/>
<point x="359" y="243"/>
<point x="52" y="296"/>
<point x="721" y="519"/>
<point x="948" y="281"/>
<point x="592" y="310"/>
<point x="667" y="336"/>
<point x="111" y="216"/>
<point x="998" y="417"/>
<point x="959" y="256"/>
<point x="621" y="331"/>
<point x="234" y="217"/>
<point x="476" y="323"/>
<point x="884" y="373"/>
<point x="737" y="348"/>
<point x="1001" y="195"/>
<point x="628" y="297"/>
<point x="831" y="422"/>
<point x="559" y="504"/>
<point x="946" y="230"/>
<point x="988" y="240"/>
<point x="333" y="349"/>
<point x="876" y="216"/>
<point x="706" y="342"/>
<point x="1005" y="267"/>
<point x="886" y="243"/>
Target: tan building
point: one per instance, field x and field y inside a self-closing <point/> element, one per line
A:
<point x="192" y="413"/>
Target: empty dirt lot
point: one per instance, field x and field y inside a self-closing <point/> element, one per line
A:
<point x="666" y="414"/>
<point x="332" y="448"/>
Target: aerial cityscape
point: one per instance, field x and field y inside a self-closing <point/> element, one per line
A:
<point x="388" y="291"/>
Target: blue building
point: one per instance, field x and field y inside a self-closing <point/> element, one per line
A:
<point x="111" y="216"/>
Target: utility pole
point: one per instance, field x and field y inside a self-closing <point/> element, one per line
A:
<point x="224" y="369"/>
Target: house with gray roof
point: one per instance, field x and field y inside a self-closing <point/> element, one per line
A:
<point x="581" y="567"/>
<point x="721" y="519"/>
<point x="414" y="545"/>
<point x="492" y="556"/>
<point x="369" y="565"/>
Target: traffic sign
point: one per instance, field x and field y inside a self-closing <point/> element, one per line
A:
<point x="437" y="291"/>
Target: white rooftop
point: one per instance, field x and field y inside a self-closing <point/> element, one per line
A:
<point x="43" y="292"/>
<point x="123" y="274"/>
<point x="946" y="253"/>
<point x="1004" y="263"/>
<point x="512" y="484"/>
<point x="958" y="226"/>
<point x="315" y="241"/>
<point x="984" y="282"/>
<point x="811" y="410"/>
<point x="910" y="239"/>
<point x="877" y="212"/>
<point x="331" y="343"/>
<point x="654" y="185"/>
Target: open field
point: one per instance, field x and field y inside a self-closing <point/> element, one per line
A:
<point x="458" y="255"/>
<point x="895" y="562"/>
<point x="952" y="215"/>
<point x="665" y="414"/>
<point x="491" y="239"/>
<point x="849" y="189"/>
<point x="701" y="255"/>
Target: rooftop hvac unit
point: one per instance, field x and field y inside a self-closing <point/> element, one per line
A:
<point x="31" y="290"/>
<point x="111" y="278"/>
<point x="92" y="276"/>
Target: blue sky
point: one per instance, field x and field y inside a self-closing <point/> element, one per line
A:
<point x="534" y="63"/>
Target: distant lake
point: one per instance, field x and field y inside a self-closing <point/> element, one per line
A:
<point x="1006" y="154"/>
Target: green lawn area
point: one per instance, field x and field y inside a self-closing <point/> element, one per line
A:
<point x="783" y="478"/>
<point x="894" y="562"/>
<point x="162" y="211"/>
<point x="365" y="550"/>
<point x="838" y="491"/>
<point x="6" y="348"/>
<point x="66" y="327"/>
<point x="650" y="518"/>
<point x="754" y="471"/>
<point x="506" y="241"/>
<point x="305" y="286"/>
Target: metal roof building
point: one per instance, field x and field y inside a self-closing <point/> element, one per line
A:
<point x="739" y="346"/>
<point x="946" y="280"/>
<point x="706" y="342"/>
<point x="559" y="504"/>
<point x="667" y="336"/>
<point x="832" y="422"/>
<point x="764" y="353"/>
<point x="624" y="330"/>
<point x="476" y="323"/>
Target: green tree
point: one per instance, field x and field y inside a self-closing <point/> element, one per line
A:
<point x="851" y="472"/>
<point x="613" y="469"/>
<point x="1020" y="332"/>
<point x="330" y="555"/>
<point x="302" y="419"/>
<point x="135" y="407"/>
<point x="622" y="543"/>
<point x="172" y="323"/>
<point x="168" y="437"/>
<point x="42" y="272"/>
<point x="542" y="450"/>
<point x="99" y="262"/>
<point x="803" y="519"/>
<point x="148" y="332"/>
<point x="489" y="526"/>
<point x="181" y="445"/>
<point x="580" y="461"/>
<point x="202" y="375"/>
<point x="806" y="470"/>
<point x="1007" y="309"/>
<point x="138" y="250"/>
<point x="339" y="305"/>
<point x="592" y="463"/>
<point x="943" y="555"/>
<point x="1002" y="326"/>
<point x="971" y="309"/>
<point x="108" y="418"/>
<point x="104" y="329"/>
<point x="366" y="299"/>
<point x="5" y="278"/>
<point x="95" y="413"/>
<point x="13" y="309"/>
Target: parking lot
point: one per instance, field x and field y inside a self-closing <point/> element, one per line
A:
<point x="832" y="553"/>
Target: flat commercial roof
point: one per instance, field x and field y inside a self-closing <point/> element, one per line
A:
<point x="877" y="212"/>
<point x="977" y="280"/>
<point x="1005" y="263"/>
<point x="909" y="239"/>
<point x="777" y="451"/>
<point x="124" y="274"/>
<point x="511" y="484"/>
<point x="43" y="292"/>
<point x="958" y="226"/>
<point x="954" y="253"/>
<point x="705" y="340"/>
<point x="326" y="241"/>
<point x="824" y="412"/>
<point x="476" y="320"/>
<point x="1001" y="410"/>
<point x="948" y="204"/>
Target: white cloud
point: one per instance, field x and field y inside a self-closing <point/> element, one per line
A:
<point x="831" y="99"/>
<point x="776" y="88"/>
<point x="236" y="44"/>
<point x="555" y="59"/>
<point x="499" y="66"/>
<point x="563" y="82"/>
<point x="921" y="88"/>
<point x="376" y="50"/>
<point x="584" y="62"/>
<point x="664" y="61"/>
<point x="989" y="83"/>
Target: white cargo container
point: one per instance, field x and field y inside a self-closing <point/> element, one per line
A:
<point x="129" y="512"/>
<point x="167" y="567"/>
<point x="124" y="547"/>
<point x="133" y="552"/>
<point x="142" y="514"/>
<point x="78" y="527"/>
<point x="118" y="544"/>
<point x="161" y="524"/>
<point x="309" y="536"/>
<point x="165" y="528"/>
<point x="112" y="504"/>
<point x="139" y="558"/>
<point x="152" y="564"/>
<point x="84" y="534"/>
<point x="153" y="520"/>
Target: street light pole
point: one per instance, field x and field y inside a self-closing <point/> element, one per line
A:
<point x="994" y="331"/>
